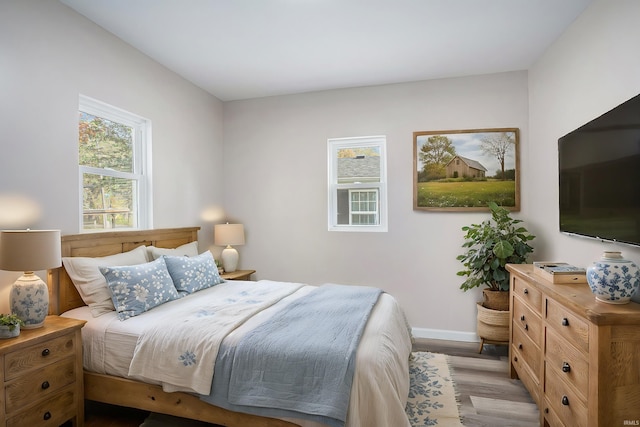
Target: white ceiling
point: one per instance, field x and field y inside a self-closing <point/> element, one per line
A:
<point x="238" y="49"/>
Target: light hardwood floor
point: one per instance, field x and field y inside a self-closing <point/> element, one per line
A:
<point x="488" y="397"/>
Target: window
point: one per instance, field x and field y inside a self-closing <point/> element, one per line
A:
<point x="357" y="184"/>
<point x="114" y="160"/>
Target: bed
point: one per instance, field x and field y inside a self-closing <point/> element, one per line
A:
<point x="380" y="383"/>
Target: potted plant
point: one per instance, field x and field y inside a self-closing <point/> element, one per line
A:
<point x="491" y="245"/>
<point x="10" y="325"/>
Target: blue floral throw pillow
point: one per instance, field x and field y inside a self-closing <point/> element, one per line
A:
<point x="139" y="288"/>
<point x="191" y="274"/>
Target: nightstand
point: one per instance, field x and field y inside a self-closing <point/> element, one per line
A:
<point x="238" y="275"/>
<point x="41" y="375"/>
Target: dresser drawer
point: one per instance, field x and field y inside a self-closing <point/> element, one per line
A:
<point x="527" y="293"/>
<point x="529" y="352"/>
<point x="530" y="323"/>
<point x="51" y="412"/>
<point x="567" y="362"/>
<point x="38" y="384"/>
<point x="528" y="378"/>
<point x="568" y="325"/>
<point x="551" y="417"/>
<point x="34" y="357"/>
<point x="565" y="403"/>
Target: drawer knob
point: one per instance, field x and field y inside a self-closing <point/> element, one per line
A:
<point x="526" y="327"/>
<point x="46" y="352"/>
<point x="46" y="416"/>
<point x="526" y="291"/>
<point x="515" y="359"/>
<point x="565" y="400"/>
<point x="520" y="346"/>
<point x="45" y="385"/>
<point x="565" y="321"/>
<point x="522" y="317"/>
<point x="566" y="367"/>
<point x="546" y="410"/>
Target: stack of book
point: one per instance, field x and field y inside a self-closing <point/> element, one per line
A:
<point x="560" y="272"/>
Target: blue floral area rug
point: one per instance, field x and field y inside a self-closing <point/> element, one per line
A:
<point x="432" y="396"/>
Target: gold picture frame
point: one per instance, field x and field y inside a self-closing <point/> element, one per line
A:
<point x="463" y="170"/>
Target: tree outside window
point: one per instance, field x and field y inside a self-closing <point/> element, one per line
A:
<point x="112" y="160"/>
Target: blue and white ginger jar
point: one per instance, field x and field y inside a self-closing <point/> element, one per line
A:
<point x="613" y="279"/>
<point x="29" y="300"/>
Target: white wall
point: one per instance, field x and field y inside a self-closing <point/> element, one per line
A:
<point x="276" y="178"/>
<point x="49" y="55"/>
<point x="594" y="67"/>
<point x="275" y="156"/>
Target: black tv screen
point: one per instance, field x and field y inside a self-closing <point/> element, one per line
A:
<point x="599" y="167"/>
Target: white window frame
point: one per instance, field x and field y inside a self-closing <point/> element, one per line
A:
<point x="143" y="218"/>
<point x="333" y="146"/>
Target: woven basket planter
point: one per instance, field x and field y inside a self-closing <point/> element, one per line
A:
<point x="493" y="325"/>
<point x="496" y="300"/>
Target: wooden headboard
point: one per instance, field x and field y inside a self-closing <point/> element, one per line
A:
<point x="63" y="295"/>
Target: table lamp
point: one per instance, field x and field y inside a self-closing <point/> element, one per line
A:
<point x="29" y="251"/>
<point x="227" y="235"/>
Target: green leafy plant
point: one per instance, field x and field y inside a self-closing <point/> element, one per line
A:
<point x="10" y="320"/>
<point x="491" y="245"/>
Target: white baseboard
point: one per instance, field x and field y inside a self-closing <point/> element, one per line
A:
<point x="440" y="334"/>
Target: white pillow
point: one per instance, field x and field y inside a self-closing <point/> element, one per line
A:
<point x="91" y="284"/>
<point x="188" y="249"/>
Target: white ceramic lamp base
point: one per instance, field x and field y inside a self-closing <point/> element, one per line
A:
<point x="29" y="300"/>
<point x="229" y="258"/>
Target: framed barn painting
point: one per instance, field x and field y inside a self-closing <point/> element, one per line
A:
<point x="463" y="170"/>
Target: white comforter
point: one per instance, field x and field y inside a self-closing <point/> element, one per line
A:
<point x="381" y="381"/>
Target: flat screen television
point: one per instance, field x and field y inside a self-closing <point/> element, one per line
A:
<point x="599" y="168"/>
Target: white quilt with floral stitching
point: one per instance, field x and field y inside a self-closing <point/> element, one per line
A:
<point x="185" y="361"/>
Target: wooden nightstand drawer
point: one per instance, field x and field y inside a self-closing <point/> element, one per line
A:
<point x="528" y="294"/>
<point x="568" y="325"/>
<point x="39" y="355"/>
<point x="41" y="383"/>
<point x="524" y="317"/>
<point x="567" y="362"/>
<point x="51" y="412"/>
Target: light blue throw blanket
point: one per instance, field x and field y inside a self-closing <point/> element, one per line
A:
<point x="301" y="362"/>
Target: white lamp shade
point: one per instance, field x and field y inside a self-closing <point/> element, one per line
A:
<point x="228" y="234"/>
<point x="29" y="250"/>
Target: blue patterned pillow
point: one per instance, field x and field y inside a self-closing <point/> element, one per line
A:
<point x="191" y="274"/>
<point x="139" y="288"/>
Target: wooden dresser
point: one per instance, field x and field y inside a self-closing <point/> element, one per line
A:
<point x="579" y="358"/>
<point x="41" y="374"/>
